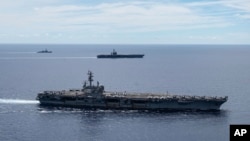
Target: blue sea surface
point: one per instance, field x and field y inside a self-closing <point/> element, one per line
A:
<point x="211" y="70"/>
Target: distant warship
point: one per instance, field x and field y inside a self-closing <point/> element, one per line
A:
<point x="44" y="51"/>
<point x="95" y="97"/>
<point x="115" y="55"/>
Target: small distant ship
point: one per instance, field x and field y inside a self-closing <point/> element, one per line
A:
<point x="115" y="55"/>
<point x="44" y="51"/>
<point x="95" y="97"/>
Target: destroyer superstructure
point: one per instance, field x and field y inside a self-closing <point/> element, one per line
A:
<point x="95" y="97"/>
<point x="44" y="51"/>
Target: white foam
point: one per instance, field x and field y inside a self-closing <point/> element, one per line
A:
<point x="18" y="101"/>
<point x="30" y="58"/>
<point x="19" y="52"/>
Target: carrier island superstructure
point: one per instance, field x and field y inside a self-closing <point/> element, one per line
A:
<point x="95" y="97"/>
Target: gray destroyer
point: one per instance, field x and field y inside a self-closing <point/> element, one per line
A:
<point x="95" y="97"/>
<point x="44" y="51"/>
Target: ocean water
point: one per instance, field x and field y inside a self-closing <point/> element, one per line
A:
<point x="212" y="70"/>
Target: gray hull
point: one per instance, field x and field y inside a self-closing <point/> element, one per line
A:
<point x="115" y="55"/>
<point x="121" y="56"/>
<point x="95" y="97"/>
<point x="136" y="102"/>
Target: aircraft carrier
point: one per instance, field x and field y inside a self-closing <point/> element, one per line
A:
<point x="115" y="55"/>
<point x="95" y="97"/>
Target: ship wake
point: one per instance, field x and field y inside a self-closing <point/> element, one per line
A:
<point x="43" y="58"/>
<point x="18" y="101"/>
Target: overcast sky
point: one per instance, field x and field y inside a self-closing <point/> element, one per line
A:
<point x="125" y="22"/>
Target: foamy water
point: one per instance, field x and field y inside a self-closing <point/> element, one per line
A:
<point x="18" y="101"/>
<point x="18" y="52"/>
<point x="39" y="58"/>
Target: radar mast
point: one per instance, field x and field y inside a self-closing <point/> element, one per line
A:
<point x="90" y="79"/>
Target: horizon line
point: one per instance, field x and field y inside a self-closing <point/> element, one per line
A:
<point x="122" y="44"/>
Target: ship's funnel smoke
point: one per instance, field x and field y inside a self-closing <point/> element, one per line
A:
<point x="18" y="101"/>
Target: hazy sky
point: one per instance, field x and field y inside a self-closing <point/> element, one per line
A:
<point x="128" y="21"/>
